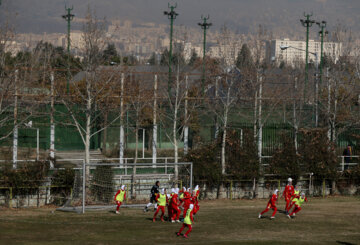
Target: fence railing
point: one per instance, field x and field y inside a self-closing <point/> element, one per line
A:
<point x="343" y="164"/>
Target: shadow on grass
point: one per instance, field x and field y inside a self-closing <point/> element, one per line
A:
<point x="345" y="243"/>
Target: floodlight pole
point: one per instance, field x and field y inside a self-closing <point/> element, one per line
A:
<point x="307" y="23"/>
<point x="68" y="17"/>
<point x="204" y="26"/>
<point x="171" y="16"/>
<point x="322" y="33"/>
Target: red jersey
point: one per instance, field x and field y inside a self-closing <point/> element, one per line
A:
<point x="272" y="201"/>
<point x="289" y="191"/>
<point x="174" y="201"/>
<point x="187" y="200"/>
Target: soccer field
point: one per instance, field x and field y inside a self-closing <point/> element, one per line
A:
<point x="334" y="220"/>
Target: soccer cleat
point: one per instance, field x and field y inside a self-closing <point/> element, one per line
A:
<point x="288" y="216"/>
<point x="178" y="234"/>
<point x="117" y="212"/>
<point x="272" y="217"/>
<point x="294" y="215"/>
<point x="146" y="210"/>
<point x="259" y="216"/>
<point x="185" y="236"/>
<point x="173" y="221"/>
<point x="178" y="221"/>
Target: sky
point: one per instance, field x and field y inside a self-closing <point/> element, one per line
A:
<point x="241" y="15"/>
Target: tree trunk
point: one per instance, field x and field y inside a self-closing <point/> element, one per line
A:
<point x="104" y="139"/>
<point x="154" y="138"/>
<point x="176" y="150"/>
<point x="186" y="128"/>
<point x="121" y="143"/>
<point x="15" y="134"/>
<point x="133" y="192"/>
<point x="255" y="114"/>
<point x="216" y="101"/>
<point x="295" y="123"/>
<point x="52" y="124"/>
<point x="88" y="129"/>
<point x="260" y="125"/>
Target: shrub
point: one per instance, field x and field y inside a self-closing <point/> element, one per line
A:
<point x="241" y="157"/>
<point x="285" y="161"/>
<point x="318" y="154"/>
<point x="207" y="168"/>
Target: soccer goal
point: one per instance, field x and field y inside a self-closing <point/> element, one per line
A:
<point x="96" y="184"/>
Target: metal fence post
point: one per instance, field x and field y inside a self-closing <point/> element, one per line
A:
<point x="84" y="187"/>
<point x="342" y="163"/>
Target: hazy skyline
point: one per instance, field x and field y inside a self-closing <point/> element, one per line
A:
<point x="241" y="15"/>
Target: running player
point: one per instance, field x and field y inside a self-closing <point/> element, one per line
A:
<point x="288" y="193"/>
<point x="154" y="191"/>
<point x="271" y="204"/>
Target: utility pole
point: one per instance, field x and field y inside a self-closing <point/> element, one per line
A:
<point x="322" y="33"/>
<point x="307" y="23"/>
<point x="204" y="26"/>
<point x="68" y="17"/>
<point x="171" y="16"/>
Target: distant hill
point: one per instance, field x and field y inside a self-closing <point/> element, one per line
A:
<point x="279" y="16"/>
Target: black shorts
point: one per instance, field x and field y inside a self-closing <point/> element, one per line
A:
<point x="152" y="199"/>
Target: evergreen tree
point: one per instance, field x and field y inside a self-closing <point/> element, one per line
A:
<point x="164" y="61"/>
<point x="152" y="60"/>
<point x="110" y="55"/>
<point x="193" y="58"/>
<point x="244" y="58"/>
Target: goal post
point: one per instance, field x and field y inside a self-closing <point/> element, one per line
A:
<point x="96" y="184"/>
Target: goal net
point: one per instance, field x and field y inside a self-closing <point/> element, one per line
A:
<point x="96" y="184"/>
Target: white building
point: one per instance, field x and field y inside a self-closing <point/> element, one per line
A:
<point x="295" y="53"/>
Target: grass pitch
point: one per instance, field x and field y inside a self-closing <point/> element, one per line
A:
<point x="334" y="220"/>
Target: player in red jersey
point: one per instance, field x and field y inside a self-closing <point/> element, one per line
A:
<point x="271" y="204"/>
<point x="169" y="199"/>
<point x="195" y="199"/>
<point x="175" y="207"/>
<point x="288" y="193"/>
<point x="187" y="201"/>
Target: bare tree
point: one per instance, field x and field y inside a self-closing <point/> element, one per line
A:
<point x="92" y="96"/>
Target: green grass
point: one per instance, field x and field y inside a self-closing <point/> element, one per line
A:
<point x="333" y="220"/>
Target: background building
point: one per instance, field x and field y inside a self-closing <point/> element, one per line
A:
<point x="294" y="54"/>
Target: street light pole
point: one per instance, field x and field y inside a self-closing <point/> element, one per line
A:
<point x="171" y="16"/>
<point x="204" y="26"/>
<point x="307" y="23"/>
<point x="322" y="33"/>
<point x="68" y="17"/>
